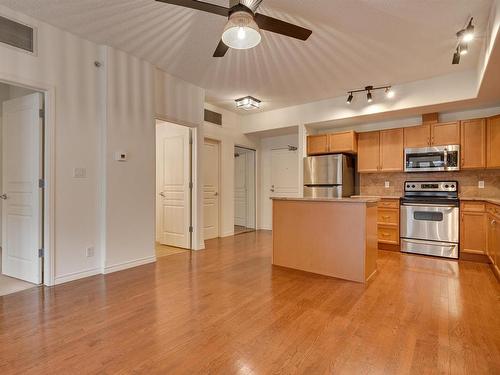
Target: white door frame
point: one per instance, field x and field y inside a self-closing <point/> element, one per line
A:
<point x="219" y="211"/>
<point x="256" y="181"/>
<point x="48" y="92"/>
<point x="194" y="178"/>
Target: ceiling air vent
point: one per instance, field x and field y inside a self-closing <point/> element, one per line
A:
<point x="213" y="117"/>
<point x="17" y="35"/>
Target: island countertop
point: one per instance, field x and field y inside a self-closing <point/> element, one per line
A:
<point x="340" y="200"/>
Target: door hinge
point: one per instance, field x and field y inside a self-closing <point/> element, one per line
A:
<point x="191" y="229"/>
<point x="41" y="253"/>
<point x="41" y="183"/>
<point x="41" y="113"/>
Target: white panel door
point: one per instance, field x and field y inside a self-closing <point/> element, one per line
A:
<point x="240" y="190"/>
<point x="211" y="189"/>
<point x="284" y="173"/>
<point x="174" y="200"/>
<point x="21" y="195"/>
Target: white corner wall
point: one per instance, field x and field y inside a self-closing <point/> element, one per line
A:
<point x="229" y="135"/>
<point x="130" y="185"/>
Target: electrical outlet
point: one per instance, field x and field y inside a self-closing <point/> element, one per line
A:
<point x="387" y="184"/>
<point x="89" y="252"/>
<point x="79" y="173"/>
<point x="480" y="185"/>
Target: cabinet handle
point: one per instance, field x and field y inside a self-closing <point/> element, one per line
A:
<point x="385" y="234"/>
<point x="386" y="217"/>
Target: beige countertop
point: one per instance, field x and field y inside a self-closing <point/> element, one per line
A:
<point x="489" y="200"/>
<point x="331" y="200"/>
<point x="376" y="196"/>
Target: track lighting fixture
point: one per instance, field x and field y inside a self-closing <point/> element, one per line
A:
<point x="464" y="36"/>
<point x="389" y="93"/>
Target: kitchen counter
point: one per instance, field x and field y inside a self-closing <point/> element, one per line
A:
<point x="343" y="200"/>
<point x="488" y="200"/>
<point x="376" y="196"/>
<point x="332" y="237"/>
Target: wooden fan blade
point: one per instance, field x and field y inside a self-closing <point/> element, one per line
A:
<point x="221" y="49"/>
<point x="199" y="5"/>
<point x="281" y="27"/>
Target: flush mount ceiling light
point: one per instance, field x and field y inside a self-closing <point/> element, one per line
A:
<point x="464" y="36"/>
<point x="389" y="93"/>
<point x="241" y="31"/>
<point x="248" y="103"/>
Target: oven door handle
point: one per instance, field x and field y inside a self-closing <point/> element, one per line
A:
<point x="445" y="158"/>
<point x="428" y="205"/>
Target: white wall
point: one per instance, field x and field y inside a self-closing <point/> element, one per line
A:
<point x="266" y="147"/>
<point x="130" y="186"/>
<point x="229" y="135"/>
<point x="66" y="64"/>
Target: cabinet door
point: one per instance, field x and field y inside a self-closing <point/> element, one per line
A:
<point x="473" y="150"/>
<point x="343" y="142"/>
<point x="317" y="144"/>
<point x="473" y="232"/>
<point x="445" y="134"/>
<point x="493" y="142"/>
<point x="493" y="239"/>
<point x="368" y="152"/>
<point x="418" y="136"/>
<point x="391" y="150"/>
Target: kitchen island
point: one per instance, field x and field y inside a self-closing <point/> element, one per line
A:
<point x="332" y="237"/>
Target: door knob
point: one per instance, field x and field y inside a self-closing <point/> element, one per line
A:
<point x="162" y="194"/>
<point x="3" y="196"/>
<point x="216" y="193"/>
<point x="272" y="190"/>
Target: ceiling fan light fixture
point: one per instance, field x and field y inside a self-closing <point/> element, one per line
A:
<point x="248" y="103"/>
<point x="241" y="31"/>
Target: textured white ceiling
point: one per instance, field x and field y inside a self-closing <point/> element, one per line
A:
<point x="354" y="43"/>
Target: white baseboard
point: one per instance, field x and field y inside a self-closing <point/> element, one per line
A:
<point x="129" y="264"/>
<point x="76" y="275"/>
<point x="227" y="234"/>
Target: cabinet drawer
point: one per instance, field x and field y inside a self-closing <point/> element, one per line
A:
<point x="472" y="206"/>
<point x="388" y="234"/>
<point x="388" y="216"/>
<point x="493" y="209"/>
<point x="385" y="203"/>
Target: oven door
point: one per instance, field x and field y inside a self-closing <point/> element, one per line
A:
<point x="430" y="222"/>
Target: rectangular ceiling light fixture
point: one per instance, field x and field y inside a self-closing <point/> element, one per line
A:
<point x="248" y="103"/>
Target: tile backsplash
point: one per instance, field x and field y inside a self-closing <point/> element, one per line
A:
<point x="374" y="183"/>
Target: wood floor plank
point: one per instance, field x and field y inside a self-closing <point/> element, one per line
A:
<point x="226" y="310"/>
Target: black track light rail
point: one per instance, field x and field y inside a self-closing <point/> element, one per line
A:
<point x="369" y="89"/>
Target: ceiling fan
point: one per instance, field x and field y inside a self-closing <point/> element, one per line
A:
<point x="242" y="30"/>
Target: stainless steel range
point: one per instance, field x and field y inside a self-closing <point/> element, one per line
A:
<point x="430" y="218"/>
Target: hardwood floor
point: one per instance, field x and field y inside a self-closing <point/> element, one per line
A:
<point x="226" y="310"/>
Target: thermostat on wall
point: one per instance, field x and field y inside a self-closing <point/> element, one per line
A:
<point x="121" y="156"/>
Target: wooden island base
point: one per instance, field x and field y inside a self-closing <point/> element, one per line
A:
<point x="332" y="237"/>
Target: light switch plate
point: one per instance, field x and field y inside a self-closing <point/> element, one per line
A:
<point x="387" y="184"/>
<point x="79" y="172"/>
<point x="480" y="185"/>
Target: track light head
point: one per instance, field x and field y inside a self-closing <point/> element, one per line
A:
<point x="456" y="58"/>
<point x="463" y="48"/>
<point x="369" y="97"/>
<point x="468" y="32"/>
<point x="389" y="92"/>
<point x="349" y="98"/>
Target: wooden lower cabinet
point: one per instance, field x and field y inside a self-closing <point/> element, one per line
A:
<point x="388" y="223"/>
<point x="473" y="228"/>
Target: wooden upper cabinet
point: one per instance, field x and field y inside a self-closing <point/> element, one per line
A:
<point x="417" y="136"/>
<point x="493" y="142"/>
<point x="369" y="152"/>
<point x="473" y="150"/>
<point x="443" y="134"/>
<point x="343" y="142"/>
<point x="317" y="144"/>
<point x="391" y="150"/>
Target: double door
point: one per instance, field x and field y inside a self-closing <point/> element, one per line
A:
<point x="380" y="151"/>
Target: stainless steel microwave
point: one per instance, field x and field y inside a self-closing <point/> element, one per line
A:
<point x="432" y="159"/>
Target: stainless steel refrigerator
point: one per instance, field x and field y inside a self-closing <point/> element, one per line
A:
<point x="328" y="176"/>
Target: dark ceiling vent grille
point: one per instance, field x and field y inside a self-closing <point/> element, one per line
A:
<point x="17" y="35"/>
<point x="213" y="117"/>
